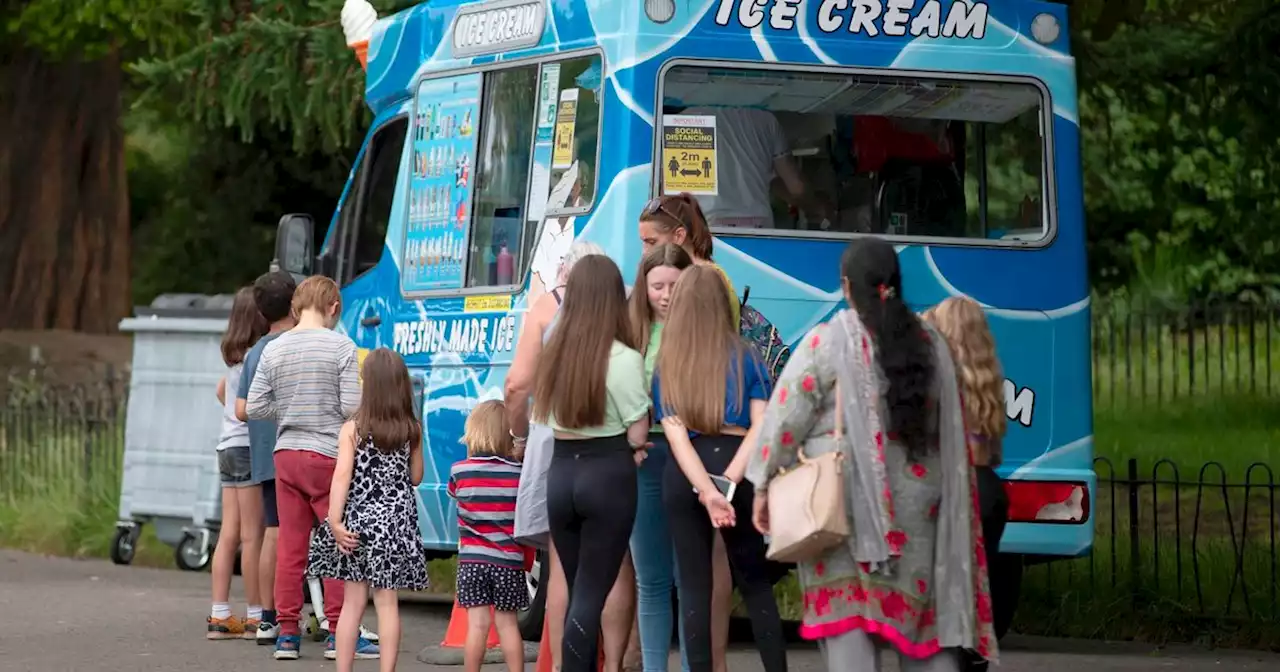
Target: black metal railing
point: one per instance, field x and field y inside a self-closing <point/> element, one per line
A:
<point x="1156" y="356"/>
<point x="60" y="437"/>
<point x="1178" y="553"/>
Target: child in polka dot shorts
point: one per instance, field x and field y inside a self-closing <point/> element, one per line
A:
<point x="490" y="562"/>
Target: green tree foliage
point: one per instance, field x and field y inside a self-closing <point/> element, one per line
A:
<point x="252" y="65"/>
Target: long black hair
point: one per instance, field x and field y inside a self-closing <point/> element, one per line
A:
<point x="873" y="281"/>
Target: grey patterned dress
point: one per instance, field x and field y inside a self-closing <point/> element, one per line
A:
<point x="928" y="591"/>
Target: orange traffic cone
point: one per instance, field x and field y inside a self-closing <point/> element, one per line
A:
<point x="450" y="651"/>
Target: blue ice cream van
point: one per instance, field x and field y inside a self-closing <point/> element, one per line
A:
<point x="504" y="130"/>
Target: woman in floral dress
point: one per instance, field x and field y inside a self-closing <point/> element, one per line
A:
<point x="911" y="577"/>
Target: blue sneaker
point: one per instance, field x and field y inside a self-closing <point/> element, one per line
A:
<point x="365" y="649"/>
<point x="287" y="647"/>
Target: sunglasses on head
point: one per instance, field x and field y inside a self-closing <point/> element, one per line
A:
<point x="655" y="207"/>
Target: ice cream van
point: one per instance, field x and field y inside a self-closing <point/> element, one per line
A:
<point x="506" y="129"/>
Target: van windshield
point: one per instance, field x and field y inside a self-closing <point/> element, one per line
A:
<point x="867" y="153"/>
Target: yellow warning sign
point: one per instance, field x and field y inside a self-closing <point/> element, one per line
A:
<point x="566" y="118"/>
<point x="361" y="353"/>
<point x="489" y="303"/>
<point x="689" y="155"/>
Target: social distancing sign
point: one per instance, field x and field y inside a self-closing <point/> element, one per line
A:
<point x="689" y="155"/>
<point x="566" y="118"/>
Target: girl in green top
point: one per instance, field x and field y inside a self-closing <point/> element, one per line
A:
<point x="651" y="547"/>
<point x="679" y="220"/>
<point x="590" y="389"/>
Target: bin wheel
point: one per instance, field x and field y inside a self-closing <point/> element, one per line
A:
<point x="125" y="545"/>
<point x="190" y="555"/>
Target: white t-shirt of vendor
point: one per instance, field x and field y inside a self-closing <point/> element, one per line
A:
<point x="747" y="143"/>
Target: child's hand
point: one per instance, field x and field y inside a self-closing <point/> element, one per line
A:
<point x="347" y="542"/>
<point x="718" y="509"/>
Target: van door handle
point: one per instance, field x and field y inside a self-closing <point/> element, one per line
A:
<point x="371" y="321"/>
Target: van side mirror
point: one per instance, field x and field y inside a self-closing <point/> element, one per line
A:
<point x="295" y="242"/>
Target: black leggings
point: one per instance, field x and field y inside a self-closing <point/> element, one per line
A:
<point x="694" y="536"/>
<point x="591" y="507"/>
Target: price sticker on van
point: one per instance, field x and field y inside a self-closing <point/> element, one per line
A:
<point x="689" y="155"/>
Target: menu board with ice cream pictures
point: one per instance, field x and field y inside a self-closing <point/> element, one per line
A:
<point x="444" y="148"/>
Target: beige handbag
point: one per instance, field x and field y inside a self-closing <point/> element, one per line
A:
<point x="807" y="505"/>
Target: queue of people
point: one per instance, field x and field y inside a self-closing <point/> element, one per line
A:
<point x="648" y="421"/>
<point x="642" y="443"/>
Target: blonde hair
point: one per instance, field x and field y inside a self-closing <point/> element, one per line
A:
<point x="576" y="253"/>
<point x="964" y="324"/>
<point x="700" y="343"/>
<point x="487" y="432"/>
<point x="316" y="293"/>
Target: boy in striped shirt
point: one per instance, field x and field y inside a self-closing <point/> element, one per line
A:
<point x="490" y="562"/>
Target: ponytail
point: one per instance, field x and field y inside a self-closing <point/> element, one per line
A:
<point x="874" y="285"/>
<point x="700" y="240"/>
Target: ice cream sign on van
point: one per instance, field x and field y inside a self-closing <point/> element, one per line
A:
<point x="493" y="27"/>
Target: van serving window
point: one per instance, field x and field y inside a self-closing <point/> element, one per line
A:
<point x="828" y="153"/>
<point x="496" y="152"/>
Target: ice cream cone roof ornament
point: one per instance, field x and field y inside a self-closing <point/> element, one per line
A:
<point x="358" y="17"/>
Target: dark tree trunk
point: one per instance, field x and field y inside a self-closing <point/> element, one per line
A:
<point x="64" y="205"/>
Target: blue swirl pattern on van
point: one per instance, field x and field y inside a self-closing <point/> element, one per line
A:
<point x="1037" y="298"/>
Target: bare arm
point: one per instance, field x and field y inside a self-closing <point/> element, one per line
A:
<point x="524" y="365"/>
<point x="638" y="432"/>
<point x="738" y="466"/>
<point x="415" y="464"/>
<point x="242" y="410"/>
<point x="341" y="483"/>
<point x="222" y="390"/>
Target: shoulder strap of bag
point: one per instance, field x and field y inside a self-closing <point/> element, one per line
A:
<point x="839" y="414"/>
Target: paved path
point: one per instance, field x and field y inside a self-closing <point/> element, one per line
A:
<point x="64" y="615"/>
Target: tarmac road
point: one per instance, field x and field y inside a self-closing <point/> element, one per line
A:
<point x="58" y="614"/>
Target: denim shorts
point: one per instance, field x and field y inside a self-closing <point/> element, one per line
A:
<point x="234" y="467"/>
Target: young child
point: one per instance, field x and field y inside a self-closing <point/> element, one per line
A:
<point x="273" y="295"/>
<point x="964" y="325"/>
<point x="241" y="504"/>
<point x="308" y="380"/>
<point x="370" y="539"/>
<point x="490" y="562"/>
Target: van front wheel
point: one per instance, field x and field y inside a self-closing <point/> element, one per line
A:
<point x="535" y="580"/>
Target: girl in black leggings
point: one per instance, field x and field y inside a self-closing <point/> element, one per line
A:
<point x="590" y="389"/>
<point x="709" y="392"/>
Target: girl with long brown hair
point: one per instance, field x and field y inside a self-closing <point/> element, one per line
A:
<point x="241" y="497"/>
<point x="710" y="390"/>
<point x="679" y="220"/>
<point x="370" y="539"/>
<point x="651" y="547"/>
<point x="590" y="389"/>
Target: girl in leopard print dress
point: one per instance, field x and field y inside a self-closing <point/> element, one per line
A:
<point x="370" y="539"/>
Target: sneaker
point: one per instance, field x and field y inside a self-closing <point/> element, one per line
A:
<point x="365" y="649"/>
<point x="364" y="632"/>
<point x="225" y="628"/>
<point x="287" y="647"/>
<point x="267" y="633"/>
<point x="251" y="628"/>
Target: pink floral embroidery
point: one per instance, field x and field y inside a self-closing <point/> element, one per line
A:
<point x="919" y="470"/>
<point x="866" y="351"/>
<point x="899" y="641"/>
<point x="787" y="438"/>
<point x="893" y="606"/>
<point x="808" y="384"/>
<point x="782" y="395"/>
<point x="984" y="607"/>
<point x="858" y="594"/>
<point x="764" y="453"/>
<point x="933" y="510"/>
<point x="922" y="586"/>
<point x="819" y="569"/>
<point x="896" y="540"/>
<point x="813" y="342"/>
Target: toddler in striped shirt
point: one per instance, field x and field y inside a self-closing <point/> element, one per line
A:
<point x="490" y="562"/>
